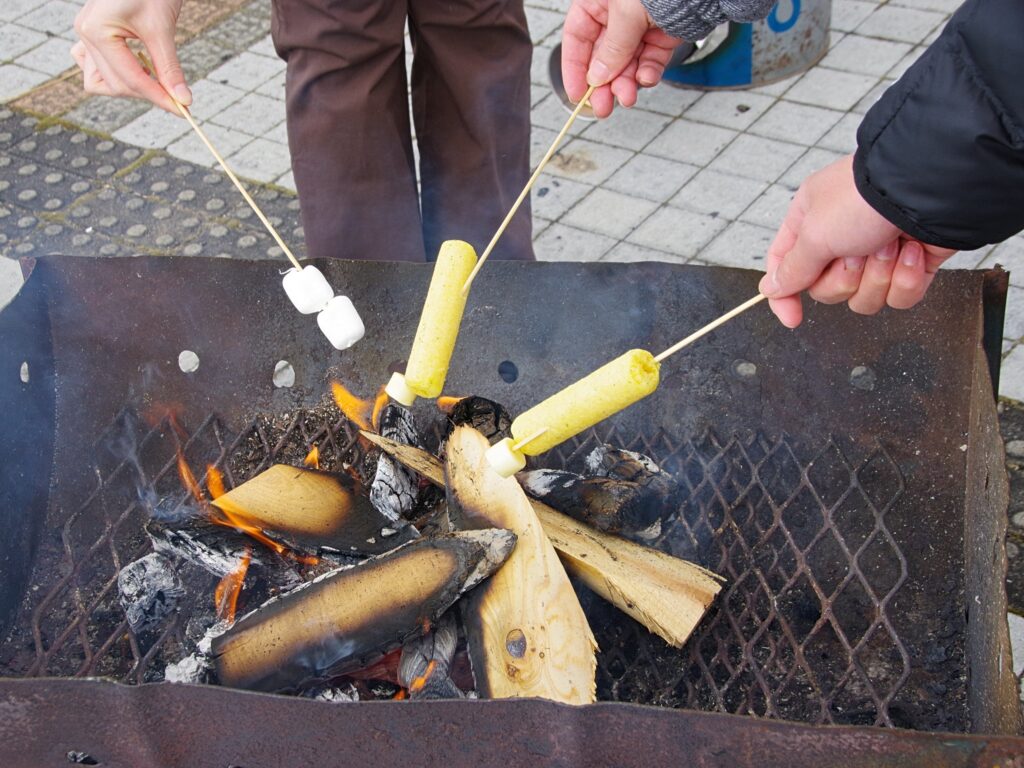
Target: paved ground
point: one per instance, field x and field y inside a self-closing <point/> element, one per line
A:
<point x="684" y="177"/>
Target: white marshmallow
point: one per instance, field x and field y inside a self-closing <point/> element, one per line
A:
<point x="341" y="323"/>
<point x="398" y="389"/>
<point x="308" y="289"/>
<point x="504" y="458"/>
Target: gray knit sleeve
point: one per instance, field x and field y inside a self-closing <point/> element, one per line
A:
<point x="694" y="19"/>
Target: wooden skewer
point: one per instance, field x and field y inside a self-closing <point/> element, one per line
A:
<point x="519" y="446"/>
<point x="526" y="190"/>
<point x="217" y="156"/>
<point x="710" y="327"/>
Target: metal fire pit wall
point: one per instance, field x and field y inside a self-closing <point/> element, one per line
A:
<point x="846" y="478"/>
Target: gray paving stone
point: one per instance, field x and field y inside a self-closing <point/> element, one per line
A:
<point x="54" y="17"/>
<point x="906" y="62"/>
<point x="757" y="158"/>
<point x="16" y="80"/>
<point x="966" y="259"/>
<point x="943" y="6"/>
<point x="797" y="123"/>
<point x="770" y="208"/>
<point x="154" y="129"/>
<point x="777" y="88"/>
<point x="552" y="114"/>
<point x="677" y="231"/>
<point x="908" y="25"/>
<point x="653" y="178"/>
<point x="10" y="280"/>
<point x="242" y="29"/>
<point x="261" y="160"/>
<point x="630" y="252"/>
<point x="552" y="5"/>
<point x="189" y="147"/>
<point x="274" y="87"/>
<point x="13" y="9"/>
<point x="718" y="194"/>
<point x="279" y="134"/>
<point x="252" y="114"/>
<point x="76" y="152"/>
<point x="1013" y="323"/>
<point x="553" y="196"/>
<point x="843" y="135"/>
<point x="866" y="55"/>
<point x="847" y="15"/>
<point x="871" y="97"/>
<point x="561" y="243"/>
<point x="287" y="181"/>
<point x="667" y="99"/>
<point x="247" y="71"/>
<point x="210" y="98"/>
<point x="50" y="58"/>
<point x="539" y="66"/>
<point x="16" y="40"/>
<point x="264" y="47"/>
<point x="628" y="128"/>
<point x="811" y="161"/>
<point x="741" y="245"/>
<point x="39" y="187"/>
<point x="729" y="109"/>
<point x="1010" y="255"/>
<point x="544" y="24"/>
<point x="587" y="161"/>
<point x="831" y="88"/>
<point x="1011" y="377"/>
<point x="202" y="55"/>
<point x="609" y="213"/>
<point x="689" y="142"/>
<point x="106" y="115"/>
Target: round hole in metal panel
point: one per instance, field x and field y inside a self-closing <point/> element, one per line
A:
<point x="188" y="361"/>
<point x="23" y="373"/>
<point x="508" y="371"/>
<point x="284" y="374"/>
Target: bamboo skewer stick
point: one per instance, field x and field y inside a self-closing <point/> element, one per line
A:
<point x="526" y="190"/>
<point x="238" y="184"/>
<point x="710" y="327"/>
<point x="518" y="446"/>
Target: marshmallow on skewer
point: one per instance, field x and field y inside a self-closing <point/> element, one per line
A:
<point x="308" y="289"/>
<point x="340" y="322"/>
<point x="337" y="317"/>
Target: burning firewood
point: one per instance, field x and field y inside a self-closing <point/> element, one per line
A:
<point x="312" y="511"/>
<point x="667" y="595"/>
<point x="348" y="617"/>
<point x="526" y="630"/>
<point x="395" y="490"/>
<point x="424" y="670"/>
<point x="485" y="416"/>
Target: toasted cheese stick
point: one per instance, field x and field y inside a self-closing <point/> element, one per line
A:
<point x="611" y="388"/>
<point x="439" y="326"/>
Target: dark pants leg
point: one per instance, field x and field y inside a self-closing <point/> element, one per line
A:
<point x="471" y="106"/>
<point x="348" y="127"/>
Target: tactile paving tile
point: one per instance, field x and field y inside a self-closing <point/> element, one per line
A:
<point x="67" y="191"/>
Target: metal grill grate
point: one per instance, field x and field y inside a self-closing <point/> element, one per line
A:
<point x="801" y="631"/>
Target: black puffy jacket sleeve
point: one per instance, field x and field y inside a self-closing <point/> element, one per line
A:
<point x="941" y="155"/>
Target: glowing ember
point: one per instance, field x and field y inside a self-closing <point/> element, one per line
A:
<point x="226" y="595"/>
<point x="378" y="406"/>
<point x="312" y="458"/>
<point x="446" y="403"/>
<point x="418" y="683"/>
<point x="400" y="696"/>
<point x="214" y="482"/>
<point x="356" y="410"/>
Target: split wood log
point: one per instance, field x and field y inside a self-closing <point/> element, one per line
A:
<point x="313" y="510"/>
<point x="526" y="631"/>
<point x="351" y="616"/>
<point x="667" y="595"/>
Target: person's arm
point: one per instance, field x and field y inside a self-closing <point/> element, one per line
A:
<point x="623" y="45"/>
<point x="939" y="167"/>
<point x="110" y="68"/>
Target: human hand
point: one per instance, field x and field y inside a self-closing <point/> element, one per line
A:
<point x="615" y="45"/>
<point x="838" y="248"/>
<point x="111" y="69"/>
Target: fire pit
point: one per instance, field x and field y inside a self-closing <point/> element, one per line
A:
<point x="846" y="480"/>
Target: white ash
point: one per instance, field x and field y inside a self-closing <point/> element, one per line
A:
<point x="603" y="458"/>
<point x="395" y="489"/>
<point x="149" y="590"/>
<point x="499" y="544"/>
<point x="334" y="694"/>
<point x="194" y="668"/>
<point x="541" y="482"/>
<point x="215" y="549"/>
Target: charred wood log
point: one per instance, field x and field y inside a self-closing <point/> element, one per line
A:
<point x="395" y="490"/>
<point x="312" y="511"/>
<point x="667" y="595"/>
<point x="425" y="668"/>
<point x="487" y="417"/>
<point x="349" y="617"/>
<point x="526" y="632"/>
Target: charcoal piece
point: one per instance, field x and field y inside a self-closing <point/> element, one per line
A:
<point x="149" y="590"/>
<point x="610" y="505"/>
<point x="214" y="548"/>
<point x="333" y="693"/>
<point x="347" y="618"/>
<point x="425" y="667"/>
<point x="395" y="490"/>
<point x="620" y="464"/>
<point x="485" y="416"/>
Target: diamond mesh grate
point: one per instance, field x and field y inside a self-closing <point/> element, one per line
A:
<point x="801" y="631"/>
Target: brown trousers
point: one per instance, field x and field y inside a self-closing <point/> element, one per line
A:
<point x="349" y="131"/>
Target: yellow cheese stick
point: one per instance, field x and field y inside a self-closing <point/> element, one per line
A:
<point x="439" y="326"/>
<point x="594" y="398"/>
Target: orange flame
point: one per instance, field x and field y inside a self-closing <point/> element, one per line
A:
<point x="356" y="410"/>
<point x="400" y="696"/>
<point x="225" y="597"/>
<point x="312" y="458"/>
<point x="214" y="482"/>
<point x="417" y="684"/>
<point x="446" y="403"/>
<point x="378" y="406"/>
<point x="188" y="479"/>
<point x="237" y="518"/>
